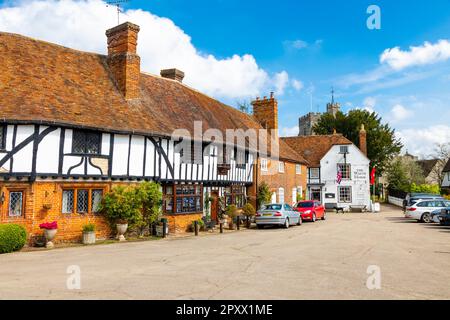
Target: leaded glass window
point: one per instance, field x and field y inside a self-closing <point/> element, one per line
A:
<point x="86" y="142"/>
<point x="97" y="196"/>
<point x="67" y="201"/>
<point x="82" y="201"/>
<point x="15" y="203"/>
<point x="345" y="194"/>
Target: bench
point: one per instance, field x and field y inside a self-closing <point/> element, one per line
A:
<point x="359" y="208"/>
<point x="333" y="206"/>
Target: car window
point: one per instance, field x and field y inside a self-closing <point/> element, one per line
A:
<point x="308" y="204"/>
<point x="423" y="204"/>
<point x="446" y="203"/>
<point x="273" y="207"/>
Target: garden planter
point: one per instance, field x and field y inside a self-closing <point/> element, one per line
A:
<point x="121" y="229"/>
<point x="89" y="237"/>
<point x="159" y="230"/>
<point x="49" y="236"/>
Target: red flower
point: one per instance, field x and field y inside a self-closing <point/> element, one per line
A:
<point x="49" y="225"/>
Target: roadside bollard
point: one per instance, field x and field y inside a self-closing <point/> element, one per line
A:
<point x="164" y="228"/>
<point x="196" y="228"/>
<point x="221" y="227"/>
<point x="238" y="222"/>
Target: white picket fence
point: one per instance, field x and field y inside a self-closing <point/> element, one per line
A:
<point x="396" y="201"/>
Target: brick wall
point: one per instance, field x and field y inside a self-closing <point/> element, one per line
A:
<point x="39" y="196"/>
<point x="275" y="180"/>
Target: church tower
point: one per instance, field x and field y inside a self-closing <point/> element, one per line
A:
<point x="333" y="107"/>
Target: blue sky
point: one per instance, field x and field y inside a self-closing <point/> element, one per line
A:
<point x="308" y="46"/>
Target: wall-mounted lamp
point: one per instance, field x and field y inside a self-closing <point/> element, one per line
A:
<point x="2" y="198"/>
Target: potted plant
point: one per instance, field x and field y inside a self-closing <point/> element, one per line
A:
<point x="122" y="206"/>
<point x="249" y="212"/>
<point x="50" y="230"/>
<point x="89" y="233"/>
<point x="231" y="212"/>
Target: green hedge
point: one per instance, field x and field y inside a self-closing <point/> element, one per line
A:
<point x="12" y="237"/>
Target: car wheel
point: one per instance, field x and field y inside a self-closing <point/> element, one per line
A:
<point x="426" y="218"/>
<point x="314" y="218"/>
<point x="324" y="217"/>
<point x="286" y="223"/>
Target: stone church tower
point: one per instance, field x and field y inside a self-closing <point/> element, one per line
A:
<point x="308" y="121"/>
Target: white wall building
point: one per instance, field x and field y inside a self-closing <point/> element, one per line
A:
<point x="328" y="155"/>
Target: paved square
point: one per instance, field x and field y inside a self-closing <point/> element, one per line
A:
<point x="325" y="260"/>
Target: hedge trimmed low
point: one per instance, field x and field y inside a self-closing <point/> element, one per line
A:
<point x="12" y="237"/>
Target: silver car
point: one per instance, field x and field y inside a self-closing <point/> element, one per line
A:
<point x="422" y="209"/>
<point x="277" y="215"/>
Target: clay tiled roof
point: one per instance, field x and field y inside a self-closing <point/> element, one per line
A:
<point x="47" y="83"/>
<point x="427" y="165"/>
<point x="314" y="148"/>
<point x="447" y="167"/>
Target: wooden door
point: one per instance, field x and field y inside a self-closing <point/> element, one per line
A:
<point x="215" y="206"/>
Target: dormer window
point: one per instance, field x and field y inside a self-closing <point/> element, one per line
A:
<point x="86" y="142"/>
<point x="2" y="137"/>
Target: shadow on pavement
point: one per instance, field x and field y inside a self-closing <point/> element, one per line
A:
<point x="401" y="220"/>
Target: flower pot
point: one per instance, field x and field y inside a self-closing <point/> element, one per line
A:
<point x="121" y="229"/>
<point x="49" y="236"/>
<point x="89" y="237"/>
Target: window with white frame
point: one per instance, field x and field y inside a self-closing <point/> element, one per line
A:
<point x="264" y="165"/>
<point x="345" y="170"/>
<point x="300" y="191"/>
<point x="281" y="167"/>
<point x="281" y="195"/>
<point x="298" y="169"/>
<point x="15" y="204"/>
<point x="345" y="194"/>
<point x="314" y="173"/>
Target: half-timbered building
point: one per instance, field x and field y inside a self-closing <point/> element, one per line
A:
<point x="74" y="124"/>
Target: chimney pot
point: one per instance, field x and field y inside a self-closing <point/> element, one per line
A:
<point x="271" y="95"/>
<point x="173" y="74"/>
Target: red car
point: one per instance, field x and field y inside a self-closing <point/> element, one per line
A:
<point x="311" y="210"/>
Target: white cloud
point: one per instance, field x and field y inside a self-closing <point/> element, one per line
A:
<point x="289" y="132"/>
<point x="81" y="24"/>
<point x="297" y="84"/>
<point x="369" y="104"/>
<point x="399" y="112"/>
<point x="416" y="56"/>
<point x="299" y="44"/>
<point x="422" y="141"/>
<point x="281" y="80"/>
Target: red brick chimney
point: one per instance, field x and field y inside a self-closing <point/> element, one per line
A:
<point x="266" y="112"/>
<point x="363" y="140"/>
<point x="123" y="61"/>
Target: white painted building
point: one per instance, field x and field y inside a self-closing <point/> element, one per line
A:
<point x="328" y="155"/>
<point x="446" y="176"/>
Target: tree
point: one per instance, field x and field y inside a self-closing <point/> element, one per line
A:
<point x="244" y="107"/>
<point x="403" y="174"/>
<point x="382" y="145"/>
<point x="442" y="154"/>
<point x="264" y="196"/>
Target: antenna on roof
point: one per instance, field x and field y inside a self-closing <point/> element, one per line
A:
<point x="117" y="4"/>
<point x="332" y="95"/>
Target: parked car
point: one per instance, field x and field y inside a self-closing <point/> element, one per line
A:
<point x="277" y="215"/>
<point x="421" y="210"/>
<point x="413" y="198"/>
<point x="441" y="216"/>
<point x="311" y="210"/>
